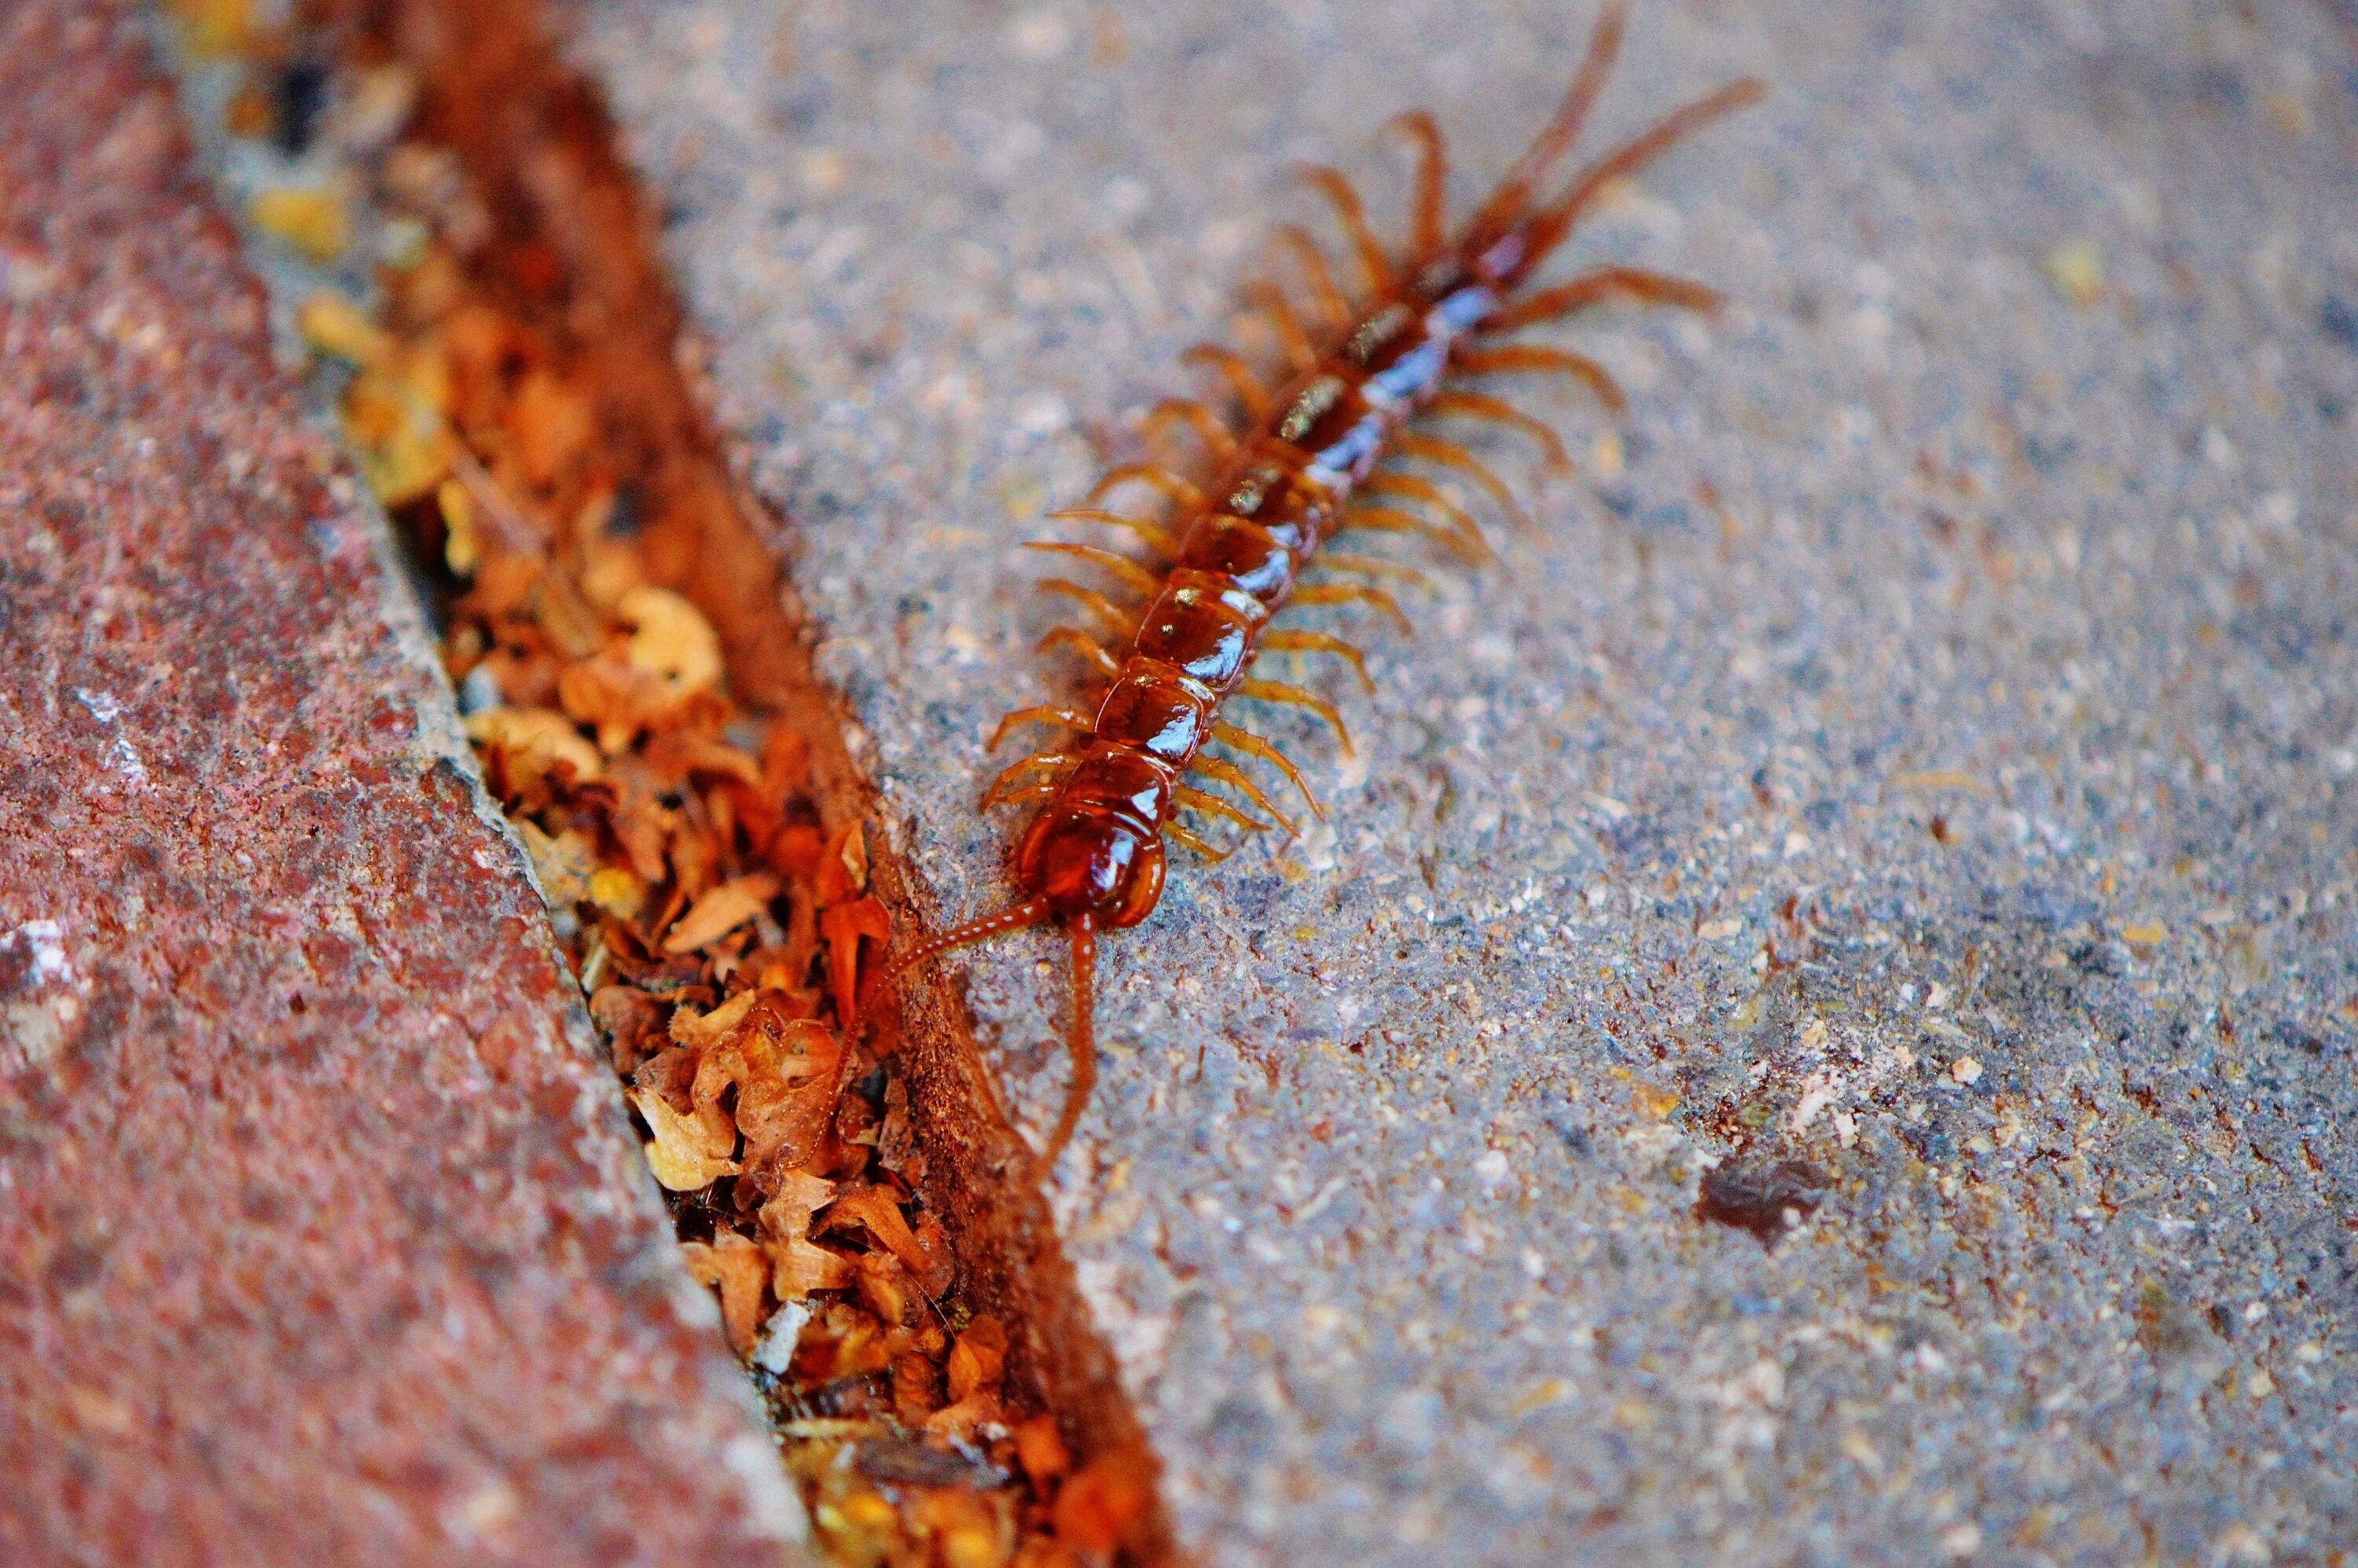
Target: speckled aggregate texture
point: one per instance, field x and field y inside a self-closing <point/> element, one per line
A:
<point x="1920" y="743"/>
<point x="326" y="1240"/>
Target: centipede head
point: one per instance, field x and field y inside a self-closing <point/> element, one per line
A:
<point x="1092" y="863"/>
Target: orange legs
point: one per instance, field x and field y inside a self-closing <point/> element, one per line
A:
<point x="1514" y="359"/>
<point x="1450" y="455"/>
<point x="1252" y="745"/>
<point x="1482" y="405"/>
<point x="1293" y="642"/>
<point x="1330" y="183"/>
<point x="1428" y="225"/>
<point x="1156" y="537"/>
<point x="1594" y="289"/>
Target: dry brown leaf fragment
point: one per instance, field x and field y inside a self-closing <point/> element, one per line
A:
<point x="960" y="1417"/>
<point x="873" y="1209"/>
<point x="1099" y="1508"/>
<point x="842" y="871"/>
<point x="885" y="1287"/>
<point x="551" y="423"/>
<point x="631" y="1019"/>
<point x="917" y="1388"/>
<point x="841" y="926"/>
<point x="536" y="741"/>
<point x="785" y="1072"/>
<point x="1039" y="1449"/>
<point x="680" y="1154"/>
<point x="690" y="1027"/>
<point x="800" y="1266"/>
<point x="722" y="911"/>
<point x="670" y="637"/>
<point x="564" y="864"/>
<point x="741" y="1270"/>
<point x="978" y="1359"/>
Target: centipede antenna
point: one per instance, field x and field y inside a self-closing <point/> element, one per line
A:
<point x="1032" y="911"/>
<point x="1080" y="1042"/>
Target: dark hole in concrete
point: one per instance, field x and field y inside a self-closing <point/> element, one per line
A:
<point x="1767" y="1198"/>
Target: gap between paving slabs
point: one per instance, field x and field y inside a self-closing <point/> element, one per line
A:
<point x="527" y="315"/>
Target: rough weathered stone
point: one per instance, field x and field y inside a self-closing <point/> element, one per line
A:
<point x="1922" y="746"/>
<point x="326" y="1238"/>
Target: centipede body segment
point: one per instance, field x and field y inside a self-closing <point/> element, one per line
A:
<point x="1314" y="454"/>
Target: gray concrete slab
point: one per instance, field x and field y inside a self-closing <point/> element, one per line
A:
<point x="1961" y="801"/>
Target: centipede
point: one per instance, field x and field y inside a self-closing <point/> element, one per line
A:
<point x="1335" y="439"/>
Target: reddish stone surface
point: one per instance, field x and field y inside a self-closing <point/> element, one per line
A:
<point x="325" y="1237"/>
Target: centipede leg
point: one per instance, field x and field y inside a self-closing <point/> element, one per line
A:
<point x="1070" y="717"/>
<point x="1513" y="195"/>
<point x="1332" y="304"/>
<point x="1514" y="359"/>
<point x="1046" y="762"/>
<point x="1217" y="439"/>
<point x="1253" y="745"/>
<point x="1212" y="805"/>
<point x="1482" y="405"/>
<point x="1156" y="537"/>
<point x="1553" y="222"/>
<point x="1301" y="354"/>
<point x="1297" y="696"/>
<point x="1354" y="593"/>
<point x="1236" y="778"/>
<point x="1189" y="840"/>
<point x="1331" y="184"/>
<point x="1390" y="520"/>
<point x="1135" y="576"/>
<point x="1416" y="487"/>
<point x="1428" y="225"/>
<point x="1090" y="598"/>
<point x="1172" y="486"/>
<point x="1376" y="567"/>
<point x="1293" y="642"/>
<point x="1591" y="288"/>
<point x="1252" y="396"/>
<point x="1086" y="646"/>
<point x="1450" y="455"/>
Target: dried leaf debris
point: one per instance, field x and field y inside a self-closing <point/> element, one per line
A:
<point x="720" y="931"/>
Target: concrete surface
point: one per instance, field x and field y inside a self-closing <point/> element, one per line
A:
<point x="326" y="1238"/>
<point x="1963" y="803"/>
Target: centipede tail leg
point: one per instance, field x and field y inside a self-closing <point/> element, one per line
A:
<point x="1332" y="304"/>
<point x="1450" y="455"/>
<point x="1482" y="405"/>
<point x="1173" y="487"/>
<point x="1516" y="358"/>
<point x="1301" y="354"/>
<point x="1338" y="191"/>
<point x="1553" y="221"/>
<point x="1428" y="222"/>
<point x="1250" y="395"/>
<point x="1593" y="288"/>
<point x="1513" y="196"/>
